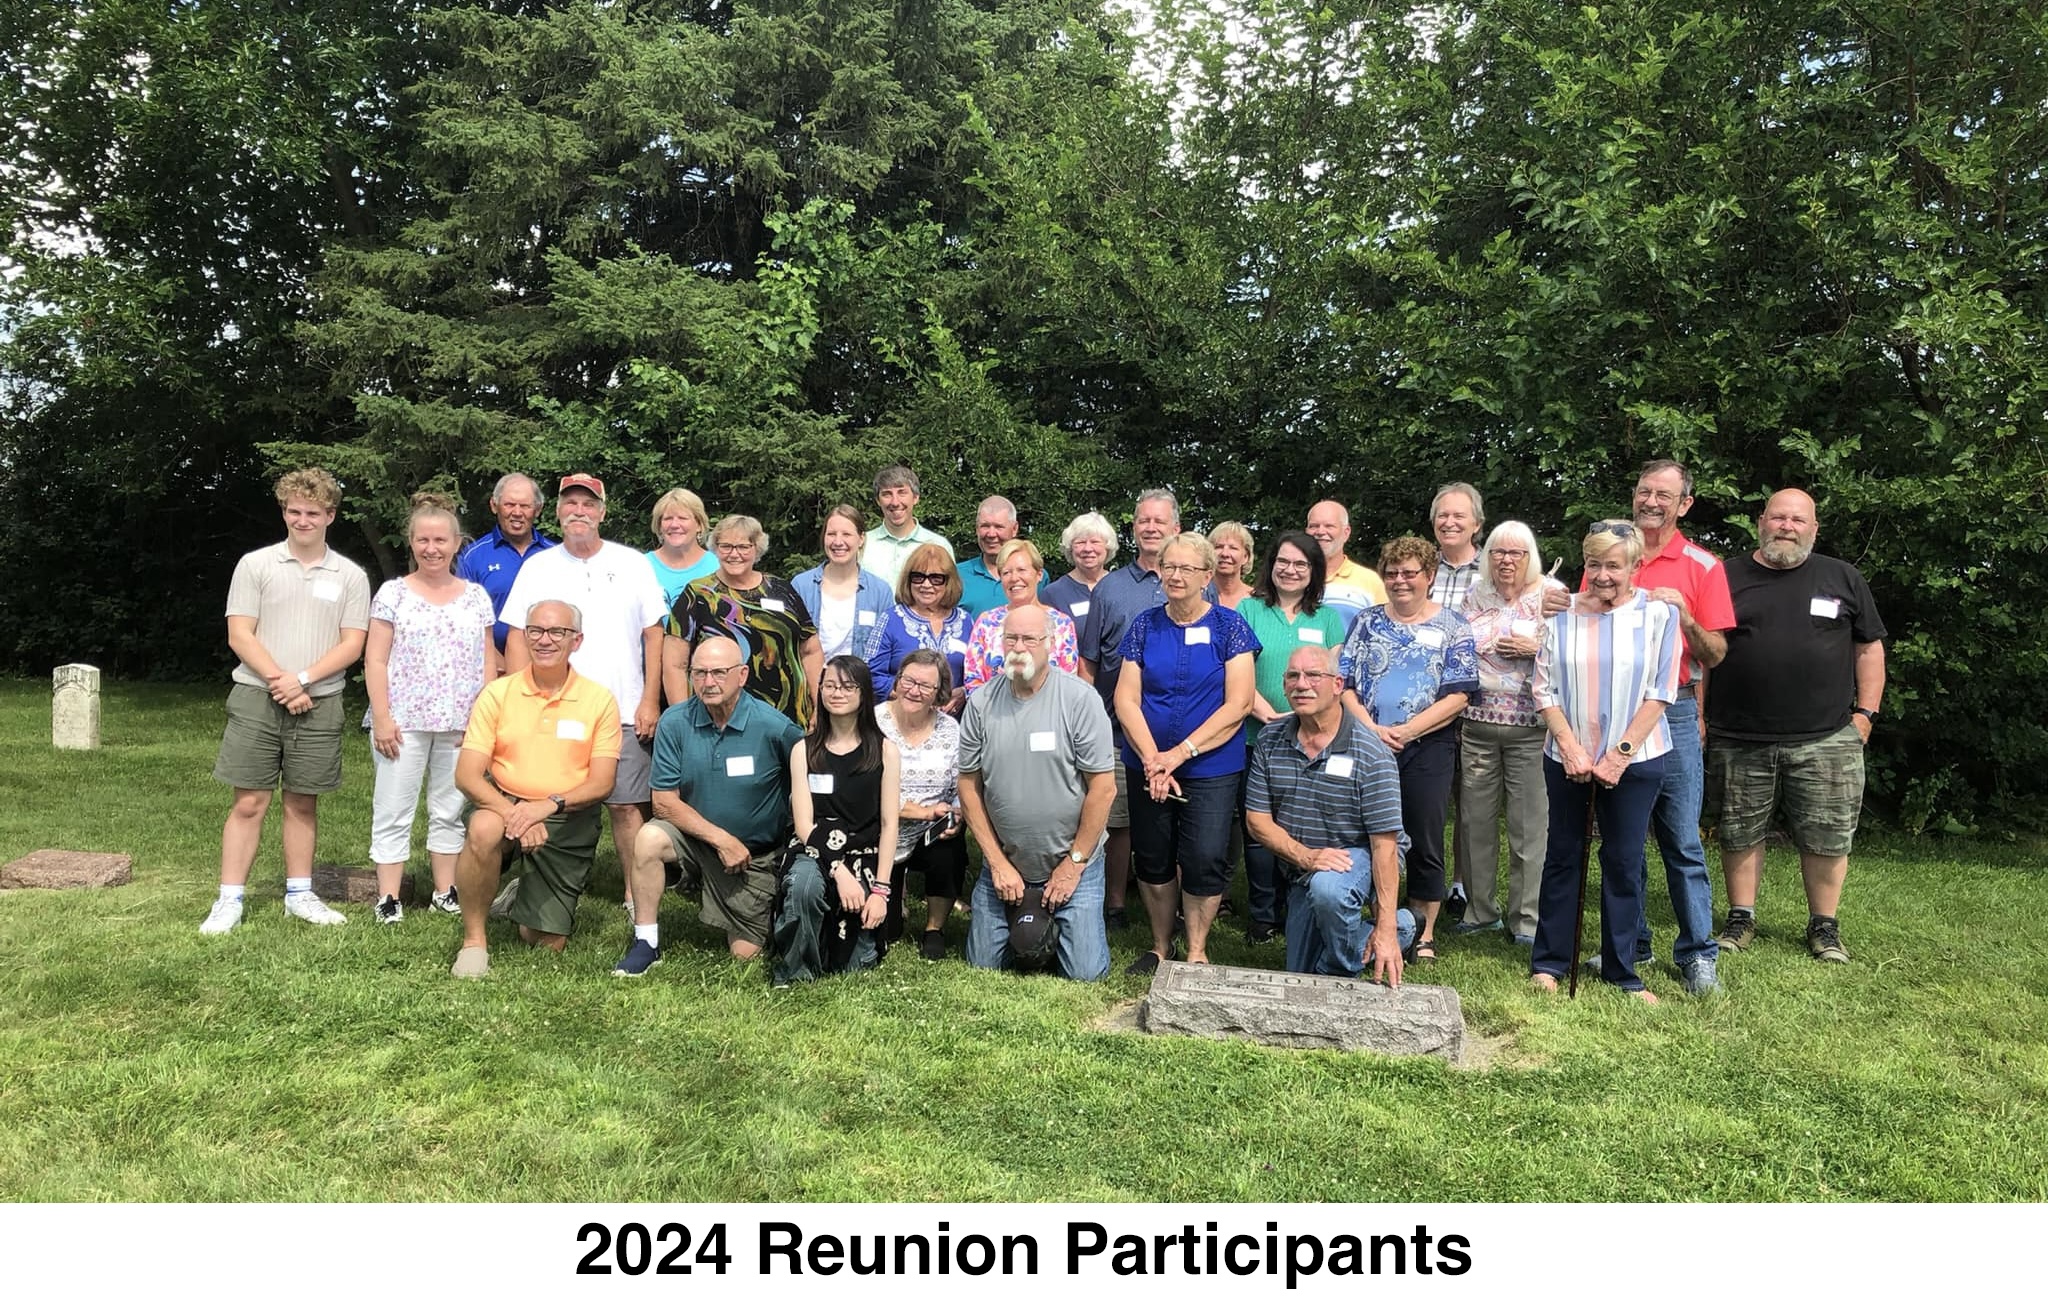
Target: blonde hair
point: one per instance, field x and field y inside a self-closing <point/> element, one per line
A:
<point x="678" y="498"/>
<point x="433" y="504"/>
<point x="1194" y="541"/>
<point x="1018" y="545"/>
<point x="1600" y="542"/>
<point x="1238" y="532"/>
<point x="315" y="484"/>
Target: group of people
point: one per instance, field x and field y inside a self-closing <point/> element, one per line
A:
<point x="799" y="749"/>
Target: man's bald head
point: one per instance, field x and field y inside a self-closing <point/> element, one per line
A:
<point x="718" y="671"/>
<point x="1786" y="533"/>
<point x="1330" y="524"/>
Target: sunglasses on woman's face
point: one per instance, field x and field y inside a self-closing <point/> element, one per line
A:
<point x="927" y="579"/>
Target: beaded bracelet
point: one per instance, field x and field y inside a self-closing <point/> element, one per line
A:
<point x="882" y="889"/>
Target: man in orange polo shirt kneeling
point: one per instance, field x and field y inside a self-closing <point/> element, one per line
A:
<point x="540" y="756"/>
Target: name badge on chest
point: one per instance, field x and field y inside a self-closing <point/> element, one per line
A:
<point x="774" y="606"/>
<point x="1080" y="608"/>
<point x="1825" y="606"/>
<point x="327" y="590"/>
<point x="1196" y="636"/>
<point x="821" y="783"/>
<point x="740" y="766"/>
<point x="568" y="729"/>
<point x="1338" y="765"/>
<point x="1041" y="742"/>
<point x="1310" y="636"/>
<point x="1432" y="637"/>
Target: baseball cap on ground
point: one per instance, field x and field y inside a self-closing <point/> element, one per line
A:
<point x="1034" y="932"/>
<point x="584" y="481"/>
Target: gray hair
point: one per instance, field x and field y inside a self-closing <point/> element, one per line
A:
<point x="742" y="523"/>
<point x="1485" y="595"/>
<point x="540" y="499"/>
<point x="1161" y="494"/>
<point x="1088" y="524"/>
<point x="997" y="502"/>
<point x="1661" y="465"/>
<point x="1470" y="492"/>
<point x="575" y="614"/>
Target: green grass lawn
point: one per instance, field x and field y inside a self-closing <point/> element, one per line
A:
<point x="140" y="1061"/>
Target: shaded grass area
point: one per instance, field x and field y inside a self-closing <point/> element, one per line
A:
<point x="139" y="1061"/>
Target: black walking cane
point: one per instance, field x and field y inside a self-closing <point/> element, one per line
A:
<point x="1585" y="875"/>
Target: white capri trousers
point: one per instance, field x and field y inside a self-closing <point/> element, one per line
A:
<point x="428" y="756"/>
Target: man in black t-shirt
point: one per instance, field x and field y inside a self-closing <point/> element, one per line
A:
<point x="1788" y="714"/>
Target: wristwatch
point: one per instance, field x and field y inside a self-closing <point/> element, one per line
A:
<point x="1625" y="748"/>
<point x="303" y="679"/>
<point x="1871" y="714"/>
<point x="561" y="805"/>
<point x="1080" y="860"/>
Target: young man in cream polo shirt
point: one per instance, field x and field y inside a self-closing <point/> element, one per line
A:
<point x="298" y="614"/>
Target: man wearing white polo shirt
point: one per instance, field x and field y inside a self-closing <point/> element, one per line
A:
<point x="623" y="605"/>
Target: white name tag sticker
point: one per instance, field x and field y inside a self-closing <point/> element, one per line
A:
<point x="865" y="618"/>
<point x="742" y="766"/>
<point x="571" y="730"/>
<point x="821" y="783"/>
<point x="1338" y="765"/>
<point x="1080" y="608"/>
<point x="326" y="589"/>
<point x="1041" y="743"/>
<point x="774" y="606"/>
<point x="1432" y="637"/>
<point x="1825" y="606"/>
<point x="1197" y="636"/>
<point x="1311" y="637"/>
<point x="956" y="647"/>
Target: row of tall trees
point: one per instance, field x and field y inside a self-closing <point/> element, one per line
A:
<point x="1042" y="247"/>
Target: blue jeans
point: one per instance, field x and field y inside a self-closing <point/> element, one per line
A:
<point x="1676" y="821"/>
<point x="1624" y="813"/>
<point x="1084" y="944"/>
<point x="808" y="898"/>
<point x="1327" y="931"/>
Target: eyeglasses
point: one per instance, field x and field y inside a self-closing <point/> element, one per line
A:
<point x="1290" y="565"/>
<point x="535" y="635"/>
<point x="911" y="686"/>
<point x="715" y="674"/>
<point x="1508" y="554"/>
<point x="1182" y="570"/>
<point x="1402" y="574"/>
<point x="1020" y="638"/>
<point x="1295" y="677"/>
<point x="838" y="688"/>
<point x="1620" y="527"/>
<point x="926" y="579"/>
<point x="733" y="547"/>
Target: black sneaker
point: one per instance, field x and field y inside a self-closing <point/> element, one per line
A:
<point x="1824" y="939"/>
<point x="932" y="947"/>
<point x="1258" y="933"/>
<point x="389" y="910"/>
<point x="1740" y="933"/>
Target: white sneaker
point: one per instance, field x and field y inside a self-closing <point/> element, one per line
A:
<point x="306" y="905"/>
<point x="502" y="906"/>
<point x="222" y="918"/>
<point x="445" y="902"/>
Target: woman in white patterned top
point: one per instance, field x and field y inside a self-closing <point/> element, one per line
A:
<point x="428" y="655"/>
<point x="929" y="835"/>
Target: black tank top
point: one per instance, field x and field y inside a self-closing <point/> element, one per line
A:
<point x="853" y="807"/>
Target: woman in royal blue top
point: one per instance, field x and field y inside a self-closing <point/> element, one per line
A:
<point x="1409" y="670"/>
<point x="1181" y="697"/>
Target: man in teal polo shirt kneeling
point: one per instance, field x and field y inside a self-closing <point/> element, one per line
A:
<point x="721" y="808"/>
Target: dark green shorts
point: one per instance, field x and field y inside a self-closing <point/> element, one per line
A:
<point x="734" y="903"/>
<point x="553" y="878"/>
<point x="266" y="744"/>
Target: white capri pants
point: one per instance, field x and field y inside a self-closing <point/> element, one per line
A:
<point x="421" y="755"/>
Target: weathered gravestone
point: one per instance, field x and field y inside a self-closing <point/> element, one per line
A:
<point x="354" y="885"/>
<point x="66" y="870"/>
<point x="1295" y="1009"/>
<point x="75" y="707"/>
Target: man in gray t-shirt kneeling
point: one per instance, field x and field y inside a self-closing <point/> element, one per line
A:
<point x="1036" y="783"/>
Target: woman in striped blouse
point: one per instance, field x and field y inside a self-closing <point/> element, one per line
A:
<point x="1607" y="668"/>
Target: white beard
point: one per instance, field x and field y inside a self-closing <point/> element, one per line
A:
<point x="1020" y="666"/>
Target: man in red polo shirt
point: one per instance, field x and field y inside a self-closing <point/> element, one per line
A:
<point x="1681" y="574"/>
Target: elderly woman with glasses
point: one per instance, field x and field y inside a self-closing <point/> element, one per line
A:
<point x="1409" y="670"/>
<point x="1500" y="736"/>
<point x="1606" y="671"/>
<point x="927" y="615"/>
<point x="1018" y="568"/>
<point x="762" y="613"/>
<point x="1089" y="543"/>
<point x="1182" y="691"/>
<point x="930" y="840"/>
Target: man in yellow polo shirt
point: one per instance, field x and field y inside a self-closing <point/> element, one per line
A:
<point x="540" y="756"/>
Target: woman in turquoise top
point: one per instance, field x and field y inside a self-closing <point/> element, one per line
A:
<point x="1286" y="612"/>
<point x="679" y="556"/>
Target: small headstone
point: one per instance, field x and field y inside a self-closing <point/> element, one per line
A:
<point x="354" y="885"/>
<point x="75" y="707"/>
<point x="66" y="870"/>
<point x="1304" y="1011"/>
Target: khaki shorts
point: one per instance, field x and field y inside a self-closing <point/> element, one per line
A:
<point x="266" y="744"/>
<point x="1120" y="808"/>
<point x="1817" y="785"/>
<point x="737" y="904"/>
<point x="553" y="878"/>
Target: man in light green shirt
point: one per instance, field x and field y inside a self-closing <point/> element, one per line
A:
<point x="889" y="545"/>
